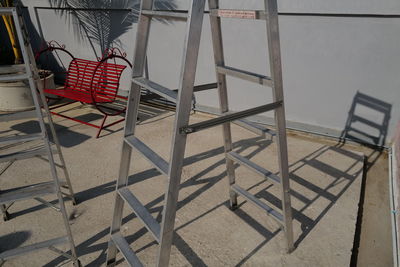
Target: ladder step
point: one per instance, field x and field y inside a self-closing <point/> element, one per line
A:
<point x="6" y="69"/>
<point x="254" y="167"/>
<point x="176" y="14"/>
<point x="126" y="250"/>
<point x="157" y="89"/>
<point x="141" y="212"/>
<point x="277" y="216"/>
<point x="26" y="192"/>
<point x="238" y="14"/>
<point x="8" y="117"/>
<point x="13" y="77"/>
<point x="27" y="249"/>
<point x="149" y="154"/>
<point x="26" y="154"/>
<point x="19" y="139"/>
<point x="245" y="75"/>
<point x="7" y="10"/>
<point x="254" y="127"/>
<point x="229" y="117"/>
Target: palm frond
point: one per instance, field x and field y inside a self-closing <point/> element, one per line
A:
<point x="95" y="20"/>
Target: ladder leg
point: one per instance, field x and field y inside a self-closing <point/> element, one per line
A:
<point x="131" y="115"/>
<point x="119" y="202"/>
<point x="130" y="125"/>
<point x="43" y="103"/>
<point x="59" y="151"/>
<point x="223" y="97"/>
<point x="276" y="74"/>
<point x="190" y="56"/>
<point x="31" y="69"/>
<point x="4" y="211"/>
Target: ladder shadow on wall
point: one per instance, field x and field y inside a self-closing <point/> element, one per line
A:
<point x="367" y="123"/>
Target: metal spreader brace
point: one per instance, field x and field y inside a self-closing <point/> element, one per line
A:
<point x="163" y="233"/>
<point x="43" y="147"/>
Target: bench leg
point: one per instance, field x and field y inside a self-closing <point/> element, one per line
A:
<point x="101" y="126"/>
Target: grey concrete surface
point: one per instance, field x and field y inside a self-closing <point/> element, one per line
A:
<point x="325" y="179"/>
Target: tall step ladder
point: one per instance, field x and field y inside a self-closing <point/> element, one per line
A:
<point x="163" y="233"/>
<point x="34" y="145"/>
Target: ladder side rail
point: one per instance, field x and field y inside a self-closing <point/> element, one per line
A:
<point x="29" y="71"/>
<point x="186" y="84"/>
<point x="24" y="44"/>
<point x="271" y="9"/>
<point x="217" y="41"/>
<point x="142" y="37"/>
<point x="45" y="106"/>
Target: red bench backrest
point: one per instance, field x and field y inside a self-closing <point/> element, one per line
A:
<point x="100" y="81"/>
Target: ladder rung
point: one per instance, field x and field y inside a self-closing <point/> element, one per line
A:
<point x="176" y="14"/>
<point x="126" y="250"/>
<point x="26" y="154"/>
<point x="238" y="14"/>
<point x="245" y="75"/>
<point x="362" y="133"/>
<point x="6" y="69"/>
<point x="151" y="224"/>
<point x="13" y="77"/>
<point x="27" y="249"/>
<point x="204" y="87"/>
<point x="254" y="127"/>
<point x="19" y="139"/>
<point x="270" y="211"/>
<point x="26" y="192"/>
<point x="254" y="167"/>
<point x="7" y="10"/>
<point x="7" y="117"/>
<point x="157" y="89"/>
<point x="229" y="117"/>
<point x="149" y="154"/>
<point x="366" y="121"/>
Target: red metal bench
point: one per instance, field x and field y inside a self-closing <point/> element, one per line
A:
<point x="90" y="82"/>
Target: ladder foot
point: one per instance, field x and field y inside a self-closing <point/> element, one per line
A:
<point x="6" y="216"/>
<point x="233" y="206"/>
<point x="111" y="263"/>
<point x="77" y="263"/>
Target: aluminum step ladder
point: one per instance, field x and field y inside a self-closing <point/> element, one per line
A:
<point x="41" y="147"/>
<point x="163" y="233"/>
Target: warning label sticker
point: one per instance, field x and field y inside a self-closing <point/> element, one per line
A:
<point x="241" y="14"/>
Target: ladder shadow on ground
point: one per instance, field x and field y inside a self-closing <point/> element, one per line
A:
<point x="92" y="115"/>
<point x="67" y="137"/>
<point x="342" y="178"/>
<point x="367" y="124"/>
<point x="339" y="178"/>
<point x="155" y="206"/>
<point x="13" y="240"/>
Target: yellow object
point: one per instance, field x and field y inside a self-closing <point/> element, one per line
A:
<point x="11" y="34"/>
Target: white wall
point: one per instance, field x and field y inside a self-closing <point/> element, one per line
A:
<point x="326" y="60"/>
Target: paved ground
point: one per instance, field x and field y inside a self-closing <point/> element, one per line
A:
<point x="326" y="183"/>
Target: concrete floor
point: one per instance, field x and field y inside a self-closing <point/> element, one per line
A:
<point x="326" y="181"/>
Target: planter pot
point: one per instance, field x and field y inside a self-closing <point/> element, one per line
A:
<point x="16" y="96"/>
